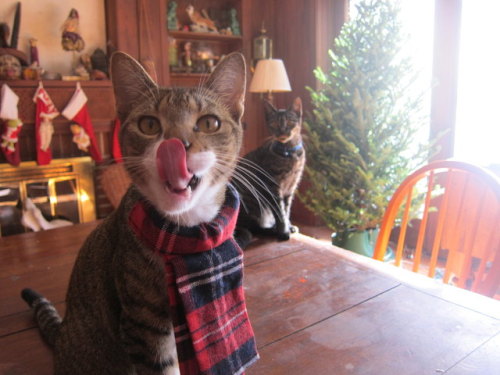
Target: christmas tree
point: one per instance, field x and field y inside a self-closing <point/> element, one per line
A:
<point x="364" y="121"/>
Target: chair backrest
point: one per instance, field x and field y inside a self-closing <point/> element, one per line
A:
<point x="115" y="183"/>
<point x="445" y="217"/>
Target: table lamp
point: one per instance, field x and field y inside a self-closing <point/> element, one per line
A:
<point x="270" y="76"/>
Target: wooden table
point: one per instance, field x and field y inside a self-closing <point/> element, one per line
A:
<point x="316" y="309"/>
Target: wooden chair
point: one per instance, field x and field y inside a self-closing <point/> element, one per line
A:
<point x="446" y="216"/>
<point x="115" y="182"/>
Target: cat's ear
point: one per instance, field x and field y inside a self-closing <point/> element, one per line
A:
<point x="269" y="109"/>
<point x="228" y="81"/>
<point x="131" y="83"/>
<point x="297" y="107"/>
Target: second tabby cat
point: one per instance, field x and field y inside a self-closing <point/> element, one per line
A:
<point x="271" y="174"/>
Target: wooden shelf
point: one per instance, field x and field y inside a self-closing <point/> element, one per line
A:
<point x="56" y="83"/>
<point x="189" y="75"/>
<point x="188" y="35"/>
<point x="187" y="79"/>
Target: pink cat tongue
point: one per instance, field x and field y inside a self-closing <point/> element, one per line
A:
<point x="171" y="164"/>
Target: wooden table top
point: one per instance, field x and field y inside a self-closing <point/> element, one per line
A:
<point x="315" y="309"/>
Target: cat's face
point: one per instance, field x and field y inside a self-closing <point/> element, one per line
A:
<point x="180" y="145"/>
<point x="284" y="125"/>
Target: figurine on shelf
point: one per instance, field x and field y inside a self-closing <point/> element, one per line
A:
<point x="172" y="23"/>
<point x="34" y="71"/>
<point x="71" y="39"/>
<point x="99" y="62"/>
<point x="81" y="72"/>
<point x="35" y="61"/>
<point x="235" y="25"/>
<point x="226" y="31"/>
<point x="200" y="23"/>
<point x="205" y="59"/>
<point x="186" y="57"/>
<point x="85" y="61"/>
<point x="11" y="59"/>
<point x="173" y="58"/>
<point x="10" y="67"/>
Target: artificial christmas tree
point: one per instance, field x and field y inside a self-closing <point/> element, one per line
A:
<point x="365" y="116"/>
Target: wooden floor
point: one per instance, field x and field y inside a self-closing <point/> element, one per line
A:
<point x="315" y="309"/>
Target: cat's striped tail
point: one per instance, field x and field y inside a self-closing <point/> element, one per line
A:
<point x="46" y="315"/>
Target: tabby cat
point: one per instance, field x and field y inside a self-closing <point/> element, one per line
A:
<point x="273" y="172"/>
<point x="128" y="299"/>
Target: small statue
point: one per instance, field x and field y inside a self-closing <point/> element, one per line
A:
<point x="34" y="71"/>
<point x="200" y="23"/>
<point x="34" y="59"/>
<point x="71" y="39"/>
<point x="187" y="57"/>
<point x="82" y="72"/>
<point x="172" y="23"/>
<point x="86" y="62"/>
<point x="226" y="31"/>
<point x="235" y="25"/>
<point x="173" y="58"/>
<point x="99" y="62"/>
<point x="10" y="67"/>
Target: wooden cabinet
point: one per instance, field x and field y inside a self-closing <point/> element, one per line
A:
<point x="206" y="49"/>
<point x="193" y="53"/>
<point x="139" y="28"/>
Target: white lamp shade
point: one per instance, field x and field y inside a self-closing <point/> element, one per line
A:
<point x="270" y="76"/>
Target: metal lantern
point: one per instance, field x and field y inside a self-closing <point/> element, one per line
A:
<point x="262" y="46"/>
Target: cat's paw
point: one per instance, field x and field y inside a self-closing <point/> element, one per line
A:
<point x="243" y="237"/>
<point x="294" y="229"/>
<point x="283" y="236"/>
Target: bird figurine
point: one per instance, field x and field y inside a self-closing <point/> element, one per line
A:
<point x="71" y="39"/>
<point x="200" y="23"/>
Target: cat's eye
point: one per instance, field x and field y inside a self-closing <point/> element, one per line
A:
<point x="207" y="124"/>
<point x="149" y="125"/>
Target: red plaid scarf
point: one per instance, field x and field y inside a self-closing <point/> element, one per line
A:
<point x="204" y="271"/>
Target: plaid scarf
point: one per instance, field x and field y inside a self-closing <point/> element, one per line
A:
<point x="204" y="271"/>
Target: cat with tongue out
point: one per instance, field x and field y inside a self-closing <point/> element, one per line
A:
<point x="157" y="286"/>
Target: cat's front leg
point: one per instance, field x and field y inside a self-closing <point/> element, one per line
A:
<point x="282" y="222"/>
<point x="288" y="206"/>
<point x="151" y="349"/>
<point x="145" y="322"/>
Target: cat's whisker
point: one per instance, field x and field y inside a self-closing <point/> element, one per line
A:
<point x="239" y="179"/>
<point x="253" y="176"/>
<point x="245" y="178"/>
<point x="269" y="199"/>
<point x="261" y="200"/>
<point x="254" y="166"/>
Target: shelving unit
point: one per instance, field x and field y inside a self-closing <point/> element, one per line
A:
<point x="139" y="28"/>
<point x="211" y="43"/>
<point x="189" y="35"/>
